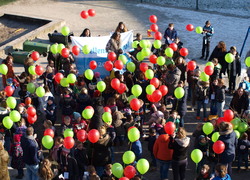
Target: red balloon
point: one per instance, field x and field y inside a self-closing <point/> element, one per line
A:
<point x="31" y="111"/>
<point x="219" y="120"/>
<point x="122" y="88"/>
<point x="209" y="70"/>
<point x="93" y="135"/>
<point x="49" y="132"/>
<point x="129" y="171"/>
<point x="169" y="128"/>
<point x="124" y="178"/>
<point x="84" y="14"/>
<point x="143" y="67"/>
<point x="35" y="55"/>
<point x="135" y="104"/>
<point x="112" y="56"/>
<point x="150" y="98"/>
<point x="189" y="27"/>
<point x="158" y="35"/>
<point x="153" y="18"/>
<point x="118" y="64"/>
<point x="184" y="51"/>
<point x="65" y="52"/>
<point x="173" y="46"/>
<point x="82" y="135"/>
<point x="219" y="147"/>
<point x="157" y="95"/>
<point x="108" y="65"/>
<point x="107" y="109"/>
<point x="32" y="119"/>
<point x="228" y="115"/>
<point x="9" y="90"/>
<point x="68" y="142"/>
<point x="28" y="101"/>
<point x="91" y="12"/>
<point x="90" y="107"/>
<point x="154" y="27"/>
<point x="92" y="65"/>
<point x="163" y="89"/>
<point x="58" y="77"/>
<point x="75" y="50"/>
<point x="39" y="70"/>
<point x="191" y="65"/>
<point x="115" y="83"/>
<point x="153" y="59"/>
<point x="155" y="82"/>
<point x="131" y="127"/>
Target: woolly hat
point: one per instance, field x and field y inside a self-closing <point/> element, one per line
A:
<point x="76" y="115"/>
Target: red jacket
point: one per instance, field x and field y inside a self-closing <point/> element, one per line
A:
<point x="161" y="150"/>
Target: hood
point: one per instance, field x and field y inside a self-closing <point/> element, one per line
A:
<point x="184" y="142"/>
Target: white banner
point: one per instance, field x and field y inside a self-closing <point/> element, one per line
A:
<point x="98" y="50"/>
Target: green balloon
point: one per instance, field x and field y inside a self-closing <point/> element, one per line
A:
<point x="169" y="61"/>
<point x="71" y="78"/>
<point x="117" y="170"/>
<point x="196" y="155"/>
<point x="133" y="134"/>
<point x="60" y="47"/>
<point x="179" y="92"/>
<point x="65" y="30"/>
<point x="229" y="58"/>
<point x="3" y="69"/>
<point x="47" y="142"/>
<point x="204" y="77"/>
<point x="101" y="86"/>
<point x="107" y="117"/>
<point x="128" y="157"/>
<point x="11" y="102"/>
<point x="89" y="74"/>
<point x="235" y="122"/>
<point x="142" y="166"/>
<point x="139" y="56"/>
<point x="131" y="97"/>
<point x="237" y="134"/>
<point x="40" y="92"/>
<point x="54" y="48"/>
<point x="143" y="44"/>
<point x="150" y="89"/>
<point x="247" y="61"/>
<point x="131" y="66"/>
<point x="145" y="52"/>
<point x="86" y="49"/>
<point x="215" y="136"/>
<point x="123" y="58"/>
<point x="68" y="133"/>
<point x="157" y="44"/>
<point x="136" y="90"/>
<point x="160" y="60"/>
<point x="64" y="82"/>
<point x="210" y="64"/>
<point x="32" y="70"/>
<point x="148" y="44"/>
<point x="149" y="74"/>
<point x="134" y="44"/>
<point x="198" y="29"/>
<point x="208" y="128"/>
<point x="242" y="127"/>
<point x="87" y="113"/>
<point x="31" y="87"/>
<point x="169" y="52"/>
<point x="7" y="122"/>
<point x="15" y="116"/>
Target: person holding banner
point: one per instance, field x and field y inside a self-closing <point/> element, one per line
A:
<point x="86" y="33"/>
<point x="121" y="28"/>
<point x="114" y="44"/>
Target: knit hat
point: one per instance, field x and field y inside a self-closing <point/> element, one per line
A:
<point x="76" y="115"/>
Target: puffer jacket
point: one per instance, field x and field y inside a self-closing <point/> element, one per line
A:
<point x="172" y="79"/>
<point x="161" y="150"/>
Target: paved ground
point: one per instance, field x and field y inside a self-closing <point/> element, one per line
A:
<point x="110" y="12"/>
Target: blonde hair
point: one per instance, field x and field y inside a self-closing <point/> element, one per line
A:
<point x="182" y="132"/>
<point x="45" y="170"/>
<point x="1" y="145"/>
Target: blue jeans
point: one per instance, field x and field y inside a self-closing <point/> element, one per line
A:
<point x="220" y="107"/>
<point x="242" y="157"/>
<point x="213" y="107"/>
<point x="32" y="172"/>
<point x="164" y="167"/>
<point x="201" y="104"/>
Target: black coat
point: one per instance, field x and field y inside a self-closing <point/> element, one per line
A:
<point x="239" y="103"/>
<point x="96" y="121"/>
<point x="220" y="94"/>
<point x="234" y="68"/>
<point x="217" y="53"/>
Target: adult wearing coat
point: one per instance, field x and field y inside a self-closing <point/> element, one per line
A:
<point x="96" y="121"/>
<point x="172" y="78"/>
<point x="240" y="101"/>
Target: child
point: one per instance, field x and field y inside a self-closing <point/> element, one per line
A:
<point x="136" y="147"/>
<point x="245" y="84"/>
<point x="48" y="125"/>
<point x="216" y="72"/>
<point x="17" y="156"/>
<point x="243" y="150"/>
<point x="202" y="99"/>
<point x="220" y="96"/>
<point x="66" y="123"/>
<point x="204" y="173"/>
<point x="151" y="141"/>
<point x="107" y="174"/>
<point x="221" y="173"/>
<point x="175" y="119"/>
<point x="78" y="123"/>
<point x="50" y="110"/>
<point x="91" y="174"/>
<point x="203" y="146"/>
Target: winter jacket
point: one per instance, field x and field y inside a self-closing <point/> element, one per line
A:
<point x="227" y="177"/>
<point x="172" y="79"/>
<point x="137" y="149"/>
<point x="51" y="112"/>
<point x="216" y="73"/>
<point x="182" y="68"/>
<point x="220" y="94"/>
<point x="209" y="31"/>
<point x="230" y="140"/>
<point x="243" y="146"/>
<point x="30" y="150"/>
<point x="217" y="53"/>
<point x="239" y="104"/>
<point x="69" y="164"/>
<point x="172" y="34"/>
<point x="4" y="160"/>
<point x="202" y="92"/>
<point x="180" y="147"/>
<point x="234" y="68"/>
<point x="161" y="149"/>
<point x="81" y="158"/>
<point x="151" y="141"/>
<point x="96" y="121"/>
<point x="113" y="46"/>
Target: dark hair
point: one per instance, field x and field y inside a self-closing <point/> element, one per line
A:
<point x="221" y="169"/>
<point x="152" y="130"/>
<point x="84" y="33"/>
<point x="208" y="22"/>
<point x="244" y="136"/>
<point x="171" y="67"/>
<point x="115" y="35"/>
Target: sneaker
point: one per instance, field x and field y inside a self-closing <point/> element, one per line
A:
<point x="198" y="117"/>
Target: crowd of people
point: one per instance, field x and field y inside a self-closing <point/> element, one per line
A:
<point x="64" y="105"/>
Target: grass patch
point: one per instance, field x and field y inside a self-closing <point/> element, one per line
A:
<point x="4" y="2"/>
